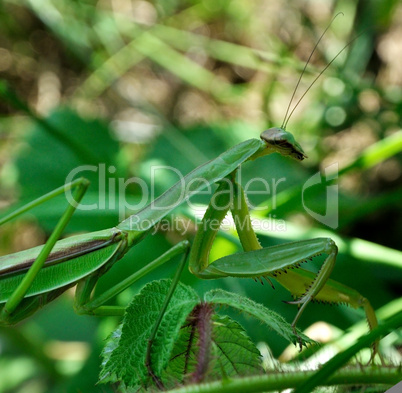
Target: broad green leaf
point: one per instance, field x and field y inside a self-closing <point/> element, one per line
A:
<point x="268" y="317"/>
<point x="231" y="353"/>
<point x="124" y="355"/>
<point x="234" y="352"/>
<point x="183" y="359"/>
<point x="226" y="352"/>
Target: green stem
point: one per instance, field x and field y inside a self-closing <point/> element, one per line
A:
<point x="321" y="376"/>
<point x="281" y="380"/>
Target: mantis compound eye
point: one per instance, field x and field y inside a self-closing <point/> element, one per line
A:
<point x="283" y="142"/>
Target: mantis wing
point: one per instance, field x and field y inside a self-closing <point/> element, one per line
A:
<point x="80" y="256"/>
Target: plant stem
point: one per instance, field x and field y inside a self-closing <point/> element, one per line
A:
<point x="319" y="378"/>
<point x="280" y="380"/>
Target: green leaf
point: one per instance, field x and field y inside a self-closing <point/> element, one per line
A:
<point x="124" y="355"/>
<point x="268" y="317"/>
<point x="232" y="353"/>
<point x="224" y="351"/>
<point x="184" y="357"/>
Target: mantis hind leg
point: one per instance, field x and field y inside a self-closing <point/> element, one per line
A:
<point x="80" y="186"/>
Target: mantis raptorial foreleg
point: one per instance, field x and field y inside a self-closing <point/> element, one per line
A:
<point x="279" y="262"/>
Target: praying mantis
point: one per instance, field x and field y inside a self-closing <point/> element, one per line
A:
<point x="32" y="278"/>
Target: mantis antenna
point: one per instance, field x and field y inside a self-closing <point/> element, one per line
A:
<point x="287" y="118"/>
<point x="304" y="70"/>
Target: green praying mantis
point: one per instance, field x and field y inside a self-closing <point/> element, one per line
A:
<point x="32" y="278"/>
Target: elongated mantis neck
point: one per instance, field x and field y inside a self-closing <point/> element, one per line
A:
<point x="263" y="151"/>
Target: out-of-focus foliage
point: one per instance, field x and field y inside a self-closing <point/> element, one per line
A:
<point x="132" y="84"/>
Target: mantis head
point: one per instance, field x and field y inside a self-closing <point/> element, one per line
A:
<point x="283" y="142"/>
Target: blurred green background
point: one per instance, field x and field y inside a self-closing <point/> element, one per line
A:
<point x="131" y="84"/>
